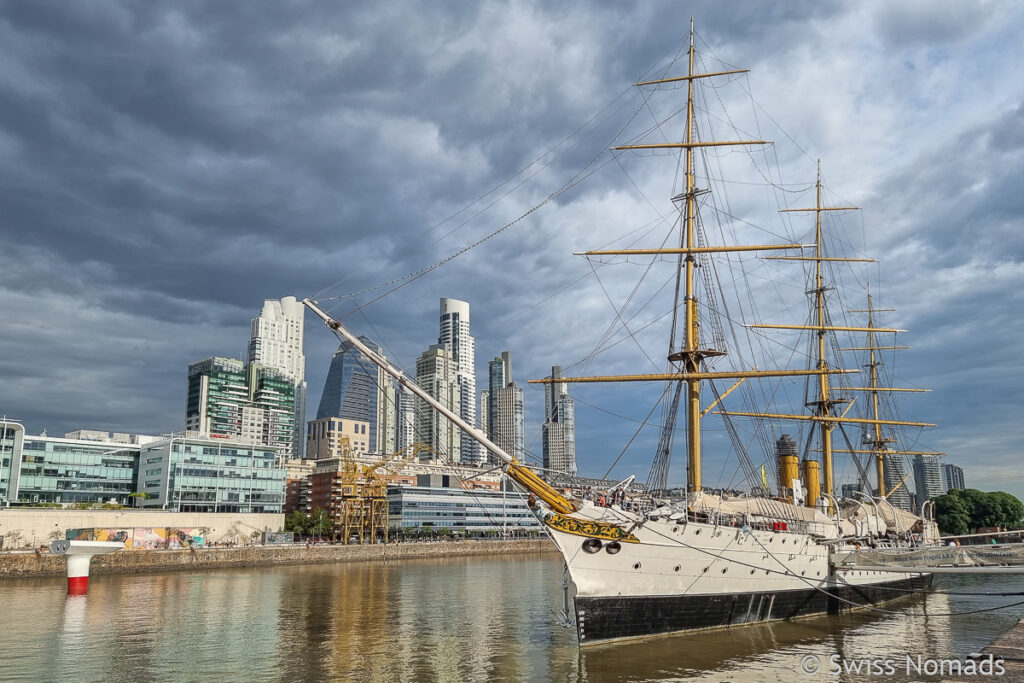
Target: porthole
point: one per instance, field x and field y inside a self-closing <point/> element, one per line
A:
<point x="676" y="568"/>
<point x="766" y="572"/>
<point x="724" y="570"/>
<point x="705" y="570"/>
<point x="613" y="547"/>
<point x="697" y="532"/>
<point x="751" y="572"/>
<point x="636" y="566"/>
<point x="675" y="529"/>
<point x="783" y="540"/>
<point x="592" y="545"/>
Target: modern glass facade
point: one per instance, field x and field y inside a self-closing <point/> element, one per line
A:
<point x="456" y="509"/>
<point x="253" y="402"/>
<point x="356" y="389"/>
<point x="211" y="475"/>
<point x="953" y="477"/>
<point x="927" y="478"/>
<point x="216" y="392"/>
<point x="68" y="471"/>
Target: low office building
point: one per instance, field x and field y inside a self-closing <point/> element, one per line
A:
<point x="197" y="474"/>
<point x="46" y="469"/>
<point x="438" y="502"/>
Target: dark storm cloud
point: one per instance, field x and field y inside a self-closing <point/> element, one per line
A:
<point x="163" y="168"/>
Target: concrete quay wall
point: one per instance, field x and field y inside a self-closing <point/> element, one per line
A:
<point x="13" y="565"/>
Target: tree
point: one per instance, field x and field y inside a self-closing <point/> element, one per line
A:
<point x="138" y="495"/>
<point x="320" y="523"/>
<point x="297" y="521"/>
<point x="960" y="512"/>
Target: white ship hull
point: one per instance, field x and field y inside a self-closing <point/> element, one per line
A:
<point x="680" y="576"/>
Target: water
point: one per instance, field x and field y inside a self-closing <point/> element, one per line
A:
<point x="454" y="619"/>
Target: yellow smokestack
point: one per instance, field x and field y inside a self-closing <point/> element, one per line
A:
<point x="789" y="469"/>
<point x="812" y="481"/>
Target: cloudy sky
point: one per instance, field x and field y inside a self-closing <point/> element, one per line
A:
<point x="166" y="167"/>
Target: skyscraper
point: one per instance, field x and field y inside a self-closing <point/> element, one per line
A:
<point x="405" y="432"/>
<point x="558" y="432"/>
<point x="896" y="475"/>
<point x="358" y="389"/>
<point x="506" y="408"/>
<point x="455" y="338"/>
<point x="436" y="374"/>
<point x="275" y="341"/>
<point x="927" y="478"/>
<point x="253" y="403"/>
<point x="953" y="477"/>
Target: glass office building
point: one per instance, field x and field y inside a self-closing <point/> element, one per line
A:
<point x="211" y="475"/>
<point x="439" y="503"/>
<point x="68" y="471"/>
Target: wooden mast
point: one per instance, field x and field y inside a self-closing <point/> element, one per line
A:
<point x="692" y="354"/>
<point x="879" y="441"/>
<point x="878" y="445"/>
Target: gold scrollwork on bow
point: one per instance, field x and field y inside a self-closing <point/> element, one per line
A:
<point x="578" y="527"/>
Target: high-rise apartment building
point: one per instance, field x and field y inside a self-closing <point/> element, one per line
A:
<point x="358" y="389"/>
<point x="275" y="341"/>
<point x="405" y="432"/>
<point x="436" y="374"/>
<point x="927" y="478"/>
<point x="896" y="476"/>
<point x="506" y="409"/>
<point x="558" y="431"/>
<point x="953" y="477"/>
<point x="455" y="338"/>
<point x="252" y="403"/>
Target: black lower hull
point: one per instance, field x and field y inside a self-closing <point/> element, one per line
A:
<point x="610" y="618"/>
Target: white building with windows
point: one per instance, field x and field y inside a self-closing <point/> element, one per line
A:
<point x="275" y="341"/>
<point x="506" y="409"/>
<point x="196" y="474"/>
<point x="455" y="338"/>
<point x="436" y="374"/>
<point x="558" y="431"/>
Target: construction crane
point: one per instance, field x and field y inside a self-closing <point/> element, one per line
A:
<point x="359" y="499"/>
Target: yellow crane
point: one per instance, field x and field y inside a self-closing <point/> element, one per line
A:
<point x="359" y="501"/>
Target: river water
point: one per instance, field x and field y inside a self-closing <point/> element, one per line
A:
<point x="451" y="619"/>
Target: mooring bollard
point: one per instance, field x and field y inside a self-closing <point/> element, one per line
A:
<point x="79" y="555"/>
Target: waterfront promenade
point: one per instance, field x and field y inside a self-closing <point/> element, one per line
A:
<point x="24" y="564"/>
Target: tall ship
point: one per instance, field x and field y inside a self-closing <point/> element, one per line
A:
<point x="708" y="559"/>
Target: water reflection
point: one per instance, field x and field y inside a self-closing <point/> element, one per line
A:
<point x="457" y="619"/>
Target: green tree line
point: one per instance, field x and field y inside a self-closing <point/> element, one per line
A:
<point x="961" y="512"/>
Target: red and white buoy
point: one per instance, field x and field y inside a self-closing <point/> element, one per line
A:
<point x="79" y="555"/>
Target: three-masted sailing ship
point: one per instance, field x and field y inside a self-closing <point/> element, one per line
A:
<point x="713" y="560"/>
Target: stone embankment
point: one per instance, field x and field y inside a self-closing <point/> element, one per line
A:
<point x="1008" y="650"/>
<point x="14" y="565"/>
